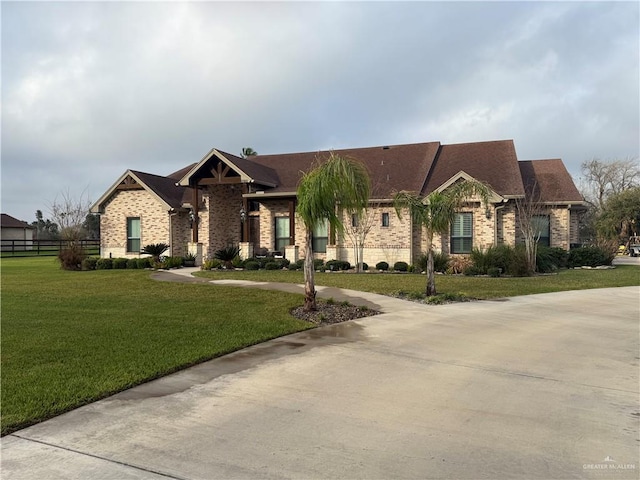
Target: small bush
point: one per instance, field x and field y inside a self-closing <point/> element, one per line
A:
<point x="365" y="266"/>
<point x="318" y="264"/>
<point x="384" y="266"/>
<point x="171" y="262"/>
<point x="472" y="270"/>
<point x="104" y="264"/>
<point x="132" y="263"/>
<point x="143" y="262"/>
<point x="440" y="262"/>
<point x="251" y="265"/>
<point x="283" y="262"/>
<point x="401" y="266"/>
<point x="71" y="257"/>
<point x="227" y="254"/>
<point x="494" y="272"/>
<point x="300" y="263"/>
<point x="237" y="262"/>
<point x="89" y="263"/>
<point x="458" y="264"/>
<point x="272" y="266"/>
<point x="119" y="263"/>
<point x="335" y="265"/>
<point x="551" y="259"/>
<point x="293" y="267"/>
<point x="155" y="249"/>
<point x="211" y="264"/>
<point x="589" y="257"/>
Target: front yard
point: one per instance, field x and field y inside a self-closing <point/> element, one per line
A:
<point x="70" y="338"/>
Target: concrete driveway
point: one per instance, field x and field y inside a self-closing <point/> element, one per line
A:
<point x="535" y="387"/>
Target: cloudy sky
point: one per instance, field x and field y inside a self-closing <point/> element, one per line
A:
<point x="92" y="89"/>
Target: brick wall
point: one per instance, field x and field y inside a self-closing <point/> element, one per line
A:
<point x="154" y="222"/>
<point x="220" y="224"/>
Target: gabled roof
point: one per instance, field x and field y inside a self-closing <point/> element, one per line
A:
<point x="494" y="163"/>
<point x="7" y="221"/>
<point x="164" y="189"/>
<point x="549" y="181"/>
<point x="247" y="170"/>
<point x="395" y="167"/>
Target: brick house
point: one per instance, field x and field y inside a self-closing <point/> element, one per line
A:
<point x="227" y="200"/>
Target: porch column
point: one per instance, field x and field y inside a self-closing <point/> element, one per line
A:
<point x="292" y="222"/>
<point x="194" y="209"/>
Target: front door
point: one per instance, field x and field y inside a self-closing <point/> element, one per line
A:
<point x="254" y="232"/>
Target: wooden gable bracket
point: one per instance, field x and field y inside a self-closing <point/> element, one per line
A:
<point x="220" y="175"/>
<point x="129" y="183"/>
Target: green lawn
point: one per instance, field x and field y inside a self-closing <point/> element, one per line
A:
<point x="69" y="338"/>
<point x="473" y="287"/>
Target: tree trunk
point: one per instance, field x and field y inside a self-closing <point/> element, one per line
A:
<point x="309" y="284"/>
<point x="431" y="276"/>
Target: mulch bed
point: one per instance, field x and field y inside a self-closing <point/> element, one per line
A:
<point x="330" y="313"/>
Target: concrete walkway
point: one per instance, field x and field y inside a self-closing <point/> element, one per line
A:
<point x="535" y="387"/>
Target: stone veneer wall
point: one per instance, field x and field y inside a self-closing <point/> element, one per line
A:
<point x="154" y="222"/>
<point x="219" y="213"/>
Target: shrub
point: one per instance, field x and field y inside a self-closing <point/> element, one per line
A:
<point x="89" y="263"/>
<point x="401" y="266"/>
<point x="71" y="257"/>
<point x="104" y="264"/>
<point x="384" y="266"/>
<point x="227" y="254"/>
<point x="494" y="272"/>
<point x="589" y="257"/>
<point x="155" y="250"/>
<point x="293" y="267"/>
<point x="251" y="265"/>
<point x="211" y="264"/>
<point x="318" y="264"/>
<point x="365" y="266"/>
<point x="518" y="265"/>
<point x="551" y="259"/>
<point x="458" y="264"/>
<point x="472" y="270"/>
<point x="132" y="263"/>
<point x="440" y="262"/>
<point x="335" y="265"/>
<point x="143" y="262"/>
<point x="237" y="262"/>
<point x="283" y="262"/>
<point x="119" y="263"/>
<point x="171" y="262"/>
<point x="300" y="263"/>
<point x="272" y="266"/>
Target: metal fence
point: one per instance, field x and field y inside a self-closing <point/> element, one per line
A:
<point x="31" y="248"/>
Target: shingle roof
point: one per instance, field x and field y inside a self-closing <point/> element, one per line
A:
<point x="549" y="181"/>
<point x="395" y="167"/>
<point x="7" y="221"/>
<point x="494" y="163"/>
<point x="164" y="187"/>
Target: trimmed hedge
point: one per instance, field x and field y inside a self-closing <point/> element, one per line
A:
<point x="384" y="266"/>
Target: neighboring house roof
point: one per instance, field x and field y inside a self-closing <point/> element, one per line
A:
<point x="7" y="221"/>
<point x="549" y="181"/>
<point x="494" y="163"/>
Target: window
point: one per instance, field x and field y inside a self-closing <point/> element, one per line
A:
<point x="282" y="233"/>
<point x="540" y="224"/>
<point x="320" y="237"/>
<point x="254" y="206"/>
<point x="385" y="219"/>
<point x="354" y="220"/>
<point x="462" y="233"/>
<point x="133" y="234"/>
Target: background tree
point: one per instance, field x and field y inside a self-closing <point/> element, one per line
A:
<point x="248" y="152"/>
<point x="70" y="214"/>
<point x="436" y="212"/>
<point x="340" y="181"/>
<point x="91" y="226"/>
<point x="357" y="229"/>
<point x="45" y="229"/>
<point x="620" y="217"/>
<point x="601" y="180"/>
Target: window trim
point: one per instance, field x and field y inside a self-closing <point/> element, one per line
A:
<point x="462" y="237"/>
<point x="131" y="238"/>
<point x="279" y="240"/>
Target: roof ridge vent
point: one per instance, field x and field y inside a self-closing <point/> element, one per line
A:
<point x="386" y="147"/>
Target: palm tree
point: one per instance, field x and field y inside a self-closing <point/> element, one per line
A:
<point x="248" y="152"/>
<point x="340" y="181"/>
<point x="436" y="212"/>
